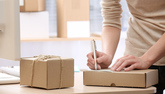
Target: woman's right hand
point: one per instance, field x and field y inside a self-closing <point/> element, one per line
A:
<point x="103" y="60"/>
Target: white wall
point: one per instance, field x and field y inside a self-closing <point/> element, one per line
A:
<point x="72" y="49"/>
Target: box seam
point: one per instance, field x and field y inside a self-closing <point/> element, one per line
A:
<point x="84" y="78"/>
<point x="47" y="75"/>
<point x="145" y="79"/>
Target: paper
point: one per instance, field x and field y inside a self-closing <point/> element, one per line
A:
<point x="105" y="70"/>
<point x="7" y="79"/>
<point x="11" y="71"/>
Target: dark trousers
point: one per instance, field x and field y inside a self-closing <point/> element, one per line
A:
<point x="161" y="83"/>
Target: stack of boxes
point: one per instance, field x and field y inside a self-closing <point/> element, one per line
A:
<point x="73" y="19"/>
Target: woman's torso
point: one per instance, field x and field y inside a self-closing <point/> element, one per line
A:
<point x="147" y="24"/>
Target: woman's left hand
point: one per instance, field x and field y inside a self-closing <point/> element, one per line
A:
<point x="129" y="62"/>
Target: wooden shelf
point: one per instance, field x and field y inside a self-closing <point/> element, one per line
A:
<point x="61" y="39"/>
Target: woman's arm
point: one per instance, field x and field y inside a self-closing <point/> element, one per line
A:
<point x="111" y="12"/>
<point x="156" y="52"/>
<point x="110" y="39"/>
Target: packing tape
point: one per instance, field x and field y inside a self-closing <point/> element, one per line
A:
<point x="45" y="57"/>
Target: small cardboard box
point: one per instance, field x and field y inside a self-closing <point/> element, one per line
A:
<point x="73" y="18"/>
<point x="134" y="78"/>
<point x="34" y="25"/>
<point x="33" y="5"/>
<point x="49" y="74"/>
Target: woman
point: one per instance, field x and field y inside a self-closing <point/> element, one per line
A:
<point x="145" y="42"/>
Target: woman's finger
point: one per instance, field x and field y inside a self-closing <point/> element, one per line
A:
<point x="126" y="63"/>
<point x="133" y="66"/>
<point x="120" y="61"/>
<point x="90" y="57"/>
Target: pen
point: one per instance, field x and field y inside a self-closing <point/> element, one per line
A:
<point x="94" y="52"/>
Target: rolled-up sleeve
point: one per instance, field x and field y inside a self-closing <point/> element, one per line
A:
<point x="111" y="12"/>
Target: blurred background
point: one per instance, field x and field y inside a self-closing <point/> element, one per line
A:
<point x="95" y="16"/>
<point x="76" y="48"/>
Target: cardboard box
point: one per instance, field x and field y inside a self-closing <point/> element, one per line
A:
<point x="73" y="18"/>
<point x="49" y="74"/>
<point x="33" y="5"/>
<point x="134" y="78"/>
<point x="34" y="25"/>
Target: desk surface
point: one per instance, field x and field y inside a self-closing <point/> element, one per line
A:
<point x="79" y="88"/>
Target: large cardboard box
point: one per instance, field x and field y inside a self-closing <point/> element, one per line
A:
<point x="134" y="78"/>
<point x="73" y="18"/>
<point x="49" y="74"/>
<point x="34" y="25"/>
<point x="33" y="5"/>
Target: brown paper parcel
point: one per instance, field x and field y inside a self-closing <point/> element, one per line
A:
<point x="49" y="74"/>
<point x="134" y="78"/>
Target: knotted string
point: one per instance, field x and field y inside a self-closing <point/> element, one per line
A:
<point x="45" y="57"/>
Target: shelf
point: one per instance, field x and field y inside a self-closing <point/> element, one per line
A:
<point x="61" y="39"/>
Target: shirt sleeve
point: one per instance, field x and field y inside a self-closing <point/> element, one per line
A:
<point x="111" y="12"/>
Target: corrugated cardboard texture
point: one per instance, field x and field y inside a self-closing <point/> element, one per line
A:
<point x="71" y="10"/>
<point x="134" y="78"/>
<point x="47" y="73"/>
<point x="33" y="6"/>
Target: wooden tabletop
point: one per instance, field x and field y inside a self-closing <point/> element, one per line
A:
<point x="79" y="88"/>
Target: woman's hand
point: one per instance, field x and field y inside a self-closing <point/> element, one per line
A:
<point x="103" y="60"/>
<point x="129" y="62"/>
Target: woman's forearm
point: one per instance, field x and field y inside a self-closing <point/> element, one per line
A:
<point x="156" y="52"/>
<point x="110" y="39"/>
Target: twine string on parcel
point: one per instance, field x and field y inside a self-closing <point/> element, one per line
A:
<point x="45" y="57"/>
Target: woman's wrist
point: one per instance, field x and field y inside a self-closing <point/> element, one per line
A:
<point x="146" y="59"/>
